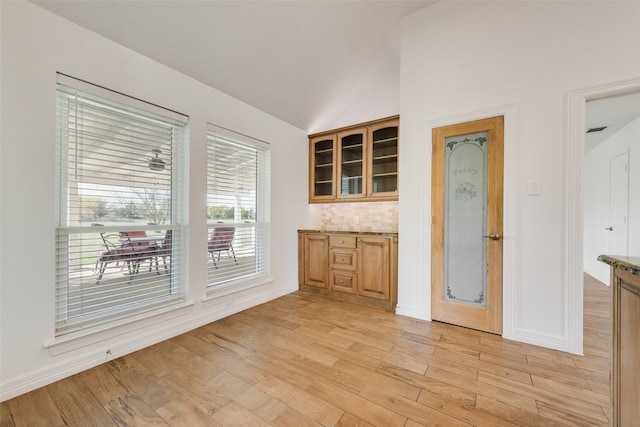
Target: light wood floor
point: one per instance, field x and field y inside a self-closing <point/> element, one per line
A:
<point x="306" y="361"/>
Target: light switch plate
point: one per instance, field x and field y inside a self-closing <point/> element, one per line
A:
<point x="533" y="188"/>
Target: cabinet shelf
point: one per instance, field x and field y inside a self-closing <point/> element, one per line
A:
<point x="350" y="162"/>
<point x="382" y="141"/>
<point x="327" y="181"/>
<point x="326" y="150"/>
<point x="388" y="157"/>
<point x="379" y="175"/>
<point x="351" y="147"/>
<point x="324" y="165"/>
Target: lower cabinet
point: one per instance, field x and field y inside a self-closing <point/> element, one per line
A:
<point x="350" y="266"/>
<point x="625" y="385"/>
<point x="315" y="257"/>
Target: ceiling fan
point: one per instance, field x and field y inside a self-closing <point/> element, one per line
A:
<point x="156" y="163"/>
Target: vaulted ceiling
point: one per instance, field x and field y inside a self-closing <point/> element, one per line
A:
<point x="305" y="62"/>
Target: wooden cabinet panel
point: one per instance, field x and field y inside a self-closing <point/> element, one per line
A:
<point x="352" y="166"/>
<point x="382" y="174"/>
<point x="343" y="281"/>
<point x="374" y="269"/>
<point x="344" y="259"/>
<point x="342" y="241"/>
<point x="355" y="163"/>
<point x="626" y="348"/>
<point x="322" y="168"/>
<point x="315" y="260"/>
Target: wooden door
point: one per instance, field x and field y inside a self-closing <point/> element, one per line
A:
<point x="352" y="164"/>
<point x="316" y="260"/>
<point x="374" y="278"/>
<point x="466" y="231"/>
<point x="382" y="161"/>
<point x="322" y="173"/>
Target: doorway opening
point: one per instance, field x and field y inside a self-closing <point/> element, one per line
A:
<point x="583" y="105"/>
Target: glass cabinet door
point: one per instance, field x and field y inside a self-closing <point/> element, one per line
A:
<point x="322" y="168"/>
<point x="384" y="161"/>
<point x="351" y="163"/>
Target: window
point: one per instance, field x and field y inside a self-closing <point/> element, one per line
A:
<point x="119" y="197"/>
<point x="238" y="175"/>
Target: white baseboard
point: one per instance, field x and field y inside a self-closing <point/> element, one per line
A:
<point x="410" y="311"/>
<point x="554" y="342"/>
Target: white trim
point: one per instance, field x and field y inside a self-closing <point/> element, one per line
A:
<point x="410" y="311"/>
<point x="88" y="337"/>
<point x="509" y="267"/>
<point x="555" y="342"/>
<point x="574" y="247"/>
<point x="235" y="286"/>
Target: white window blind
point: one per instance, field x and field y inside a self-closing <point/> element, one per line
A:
<point x="238" y="208"/>
<point x="119" y="195"/>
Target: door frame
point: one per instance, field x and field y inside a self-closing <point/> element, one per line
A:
<point x="574" y="201"/>
<point x="509" y="290"/>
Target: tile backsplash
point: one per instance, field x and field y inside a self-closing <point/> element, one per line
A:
<point x="363" y="216"/>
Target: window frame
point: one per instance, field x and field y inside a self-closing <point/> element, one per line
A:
<point x="262" y="222"/>
<point x="176" y="297"/>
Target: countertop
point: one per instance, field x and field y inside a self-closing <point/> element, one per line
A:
<point x="368" y="233"/>
<point x="630" y="264"/>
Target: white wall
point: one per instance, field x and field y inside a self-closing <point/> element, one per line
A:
<point x="596" y="198"/>
<point x="463" y="58"/>
<point x="36" y="45"/>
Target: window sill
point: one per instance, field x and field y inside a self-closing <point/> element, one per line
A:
<point x="84" y="338"/>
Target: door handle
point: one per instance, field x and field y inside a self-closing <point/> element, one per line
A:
<point x="494" y="236"/>
<point x="609" y="228"/>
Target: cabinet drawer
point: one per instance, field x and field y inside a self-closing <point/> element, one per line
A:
<point x="339" y="241"/>
<point x="343" y="281"/>
<point x="343" y="258"/>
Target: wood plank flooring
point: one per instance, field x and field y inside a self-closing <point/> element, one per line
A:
<point x="303" y="360"/>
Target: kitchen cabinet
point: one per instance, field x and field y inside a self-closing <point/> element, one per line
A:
<point x="355" y="163"/>
<point x="625" y="334"/>
<point x="359" y="267"/>
<point x="316" y="260"/>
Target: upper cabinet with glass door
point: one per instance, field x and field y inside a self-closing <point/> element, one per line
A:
<point x="356" y="163"/>
<point x="383" y="159"/>
<point x="351" y="163"/>
<point x="322" y="169"/>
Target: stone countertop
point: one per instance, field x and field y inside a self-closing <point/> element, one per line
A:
<point x="630" y="264"/>
<point x="368" y="233"/>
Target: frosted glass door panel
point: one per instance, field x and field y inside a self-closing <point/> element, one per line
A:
<point x="465" y="223"/>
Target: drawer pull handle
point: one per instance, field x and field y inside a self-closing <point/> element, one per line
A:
<point x="341" y="281"/>
<point x="341" y="241"/>
<point x="342" y="259"/>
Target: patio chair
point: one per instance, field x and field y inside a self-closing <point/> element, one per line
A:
<point x="165" y="248"/>
<point x="142" y="249"/>
<point x="112" y="253"/>
<point x="220" y="240"/>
